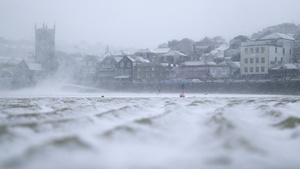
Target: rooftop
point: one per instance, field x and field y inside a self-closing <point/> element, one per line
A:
<point x="277" y="36"/>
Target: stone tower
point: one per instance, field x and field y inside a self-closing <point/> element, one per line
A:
<point x="44" y="44"/>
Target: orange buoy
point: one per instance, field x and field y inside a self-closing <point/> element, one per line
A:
<point x="181" y="95"/>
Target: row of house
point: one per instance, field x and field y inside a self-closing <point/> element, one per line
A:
<point x="272" y="56"/>
<point x="159" y="66"/>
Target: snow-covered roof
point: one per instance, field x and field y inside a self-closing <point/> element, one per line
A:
<point x="144" y="51"/>
<point x="277" y="36"/>
<point x="161" y="50"/>
<point x="219" y="52"/>
<point x="142" y="60"/>
<point x="198" y="63"/>
<point x="34" y="66"/>
<point x="117" y="58"/>
<point x="285" y="66"/>
<point x="130" y="58"/>
<point x="234" y="64"/>
<point x="175" y="53"/>
<point x="138" y="59"/>
<point x="289" y="66"/>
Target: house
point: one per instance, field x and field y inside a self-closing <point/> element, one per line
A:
<point x="284" y="71"/>
<point x="257" y="57"/>
<point x="160" y="52"/>
<point x="125" y="70"/>
<point x="146" y="72"/>
<point x="193" y="70"/>
<point x="146" y="54"/>
<point x="201" y="49"/>
<point x="108" y="69"/>
<point x="174" y="58"/>
<point x="224" y="70"/>
<point x="22" y="76"/>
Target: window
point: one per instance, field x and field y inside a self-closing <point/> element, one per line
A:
<point x="256" y="69"/>
<point x="251" y="69"/>
<point x="276" y="50"/>
<point x="153" y="68"/>
<point x="246" y="69"/>
<point x="290" y="51"/>
<point x="246" y="50"/>
<point x="246" y="60"/>
<point x="262" y="49"/>
<point x="251" y="60"/>
<point x="262" y="60"/>
<point x="283" y="51"/>
<point x="128" y="64"/>
<point x="122" y="64"/>
<point x="257" y="50"/>
<point x="257" y="60"/>
<point x="251" y="50"/>
<point x="262" y="69"/>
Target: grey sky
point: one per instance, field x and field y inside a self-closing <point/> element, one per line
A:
<point x="143" y="23"/>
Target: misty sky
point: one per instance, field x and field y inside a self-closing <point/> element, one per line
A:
<point x="143" y="23"/>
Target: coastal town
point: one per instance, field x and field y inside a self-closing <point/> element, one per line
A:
<point x="269" y="55"/>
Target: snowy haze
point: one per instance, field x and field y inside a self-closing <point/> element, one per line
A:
<point x="142" y="23"/>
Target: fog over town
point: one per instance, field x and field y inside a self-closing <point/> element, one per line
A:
<point x="146" y="84"/>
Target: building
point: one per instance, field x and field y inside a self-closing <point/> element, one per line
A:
<point x="233" y="52"/>
<point x="146" y="72"/>
<point x="296" y="52"/>
<point x="146" y="54"/>
<point x="125" y="70"/>
<point x="44" y="44"/>
<point x="108" y="69"/>
<point x="257" y="57"/>
<point x="23" y="76"/>
<point x="193" y="70"/>
<point x="160" y="52"/>
<point x="174" y="58"/>
<point x="224" y="70"/>
<point x="283" y="41"/>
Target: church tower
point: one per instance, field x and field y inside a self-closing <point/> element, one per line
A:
<point x="44" y="44"/>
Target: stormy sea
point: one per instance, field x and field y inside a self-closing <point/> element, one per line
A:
<point x="149" y="131"/>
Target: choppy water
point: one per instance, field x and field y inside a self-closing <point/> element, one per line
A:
<point x="150" y="132"/>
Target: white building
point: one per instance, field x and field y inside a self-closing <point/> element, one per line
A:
<point x="257" y="57"/>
